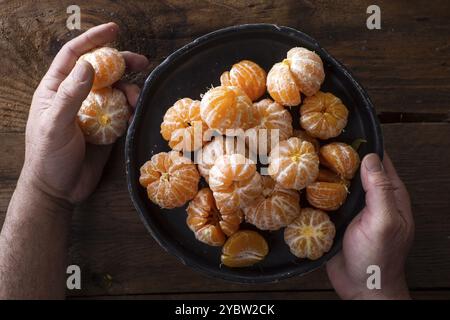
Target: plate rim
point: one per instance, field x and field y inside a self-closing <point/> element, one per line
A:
<point x="169" y="246"/>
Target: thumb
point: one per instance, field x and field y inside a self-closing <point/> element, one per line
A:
<point x="381" y="210"/>
<point x="71" y="93"/>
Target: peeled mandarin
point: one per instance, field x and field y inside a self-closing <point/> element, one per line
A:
<point x="235" y="182"/>
<point x="281" y="85"/>
<point x="341" y="158"/>
<point x="171" y="180"/>
<point x="108" y="64"/>
<point x="248" y="76"/>
<point x="182" y="125"/>
<point x="323" y="115"/>
<point x="327" y="196"/>
<point x="226" y="107"/>
<point x="209" y="225"/>
<point x="273" y="122"/>
<point x="294" y="163"/>
<point x="103" y="116"/>
<point x="326" y="175"/>
<point x="307" y="69"/>
<point x="243" y="249"/>
<point x="219" y="146"/>
<point x="302" y="135"/>
<point x="275" y="208"/>
<point x="310" y="235"/>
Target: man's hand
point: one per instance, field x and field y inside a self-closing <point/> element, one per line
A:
<point x="57" y="160"/>
<point x="380" y="235"/>
<point x="59" y="171"/>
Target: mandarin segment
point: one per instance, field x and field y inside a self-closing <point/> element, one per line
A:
<point x="170" y="179"/>
<point x="310" y="235"/>
<point x="273" y="122"/>
<point x="294" y="163"/>
<point x="275" y="208"/>
<point x="244" y="249"/>
<point x="323" y="115"/>
<point x="209" y="225"/>
<point x="327" y="196"/>
<point x="103" y="116"/>
<point x="226" y="107"/>
<point x="182" y="125"/>
<point x="341" y="158"/>
<point x="235" y="182"/>
<point x="326" y="175"/>
<point x="248" y="76"/>
<point x="108" y="64"/>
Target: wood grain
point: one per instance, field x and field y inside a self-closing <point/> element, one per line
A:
<point x="404" y="66"/>
<point x="109" y="240"/>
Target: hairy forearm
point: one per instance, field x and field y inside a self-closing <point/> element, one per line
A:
<point x="33" y="245"/>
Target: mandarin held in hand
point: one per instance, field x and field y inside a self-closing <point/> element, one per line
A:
<point x="108" y="64"/>
<point x="103" y="116"/>
<point x="182" y="125"/>
<point x="301" y="72"/>
<point x="235" y="182"/>
<point x="323" y="115"/>
<point x="275" y="208"/>
<point x="171" y="180"/>
<point x="341" y="158"/>
<point x="208" y="224"/>
<point x="294" y="163"/>
<point x="248" y="76"/>
<point x="226" y="107"/>
<point x="243" y="249"/>
<point x="310" y="235"/>
<point x="272" y="121"/>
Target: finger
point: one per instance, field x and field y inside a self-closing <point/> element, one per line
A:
<point x="381" y="206"/>
<point x="72" y="50"/>
<point x="131" y="91"/>
<point x="135" y="62"/>
<point x="400" y="192"/>
<point x="71" y="93"/>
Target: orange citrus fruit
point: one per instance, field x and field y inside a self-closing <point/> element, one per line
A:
<point x="103" y="116"/>
<point x="275" y="208"/>
<point x="208" y="223"/>
<point x="323" y="115"/>
<point x="226" y="107"/>
<point x="326" y="175"/>
<point x="341" y="158"/>
<point x="272" y="121"/>
<point x="310" y="235"/>
<point x="327" y="196"/>
<point x="248" y="76"/>
<point x="219" y="146"/>
<point x="243" y="249"/>
<point x="294" y="163"/>
<point x="235" y="182"/>
<point x="171" y="179"/>
<point x="302" y="135"/>
<point x="281" y="85"/>
<point x="307" y="69"/>
<point x="108" y="64"/>
<point x="301" y="72"/>
<point x="182" y="125"/>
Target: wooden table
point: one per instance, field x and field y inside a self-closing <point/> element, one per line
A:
<point x="405" y="68"/>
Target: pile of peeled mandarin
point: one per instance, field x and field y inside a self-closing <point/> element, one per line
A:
<point x="235" y="190"/>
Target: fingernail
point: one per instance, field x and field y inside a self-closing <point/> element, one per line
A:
<point x="81" y="72"/>
<point x="372" y="163"/>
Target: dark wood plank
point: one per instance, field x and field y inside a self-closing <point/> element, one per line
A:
<point x="404" y="66"/>
<point x="109" y="240"/>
